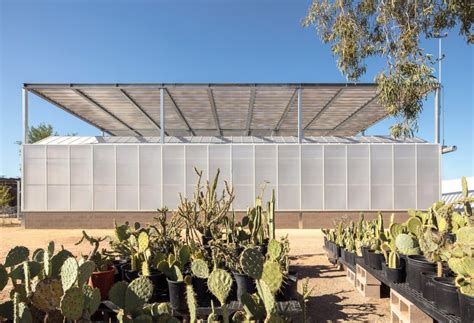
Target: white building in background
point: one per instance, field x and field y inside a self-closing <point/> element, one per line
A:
<point x="300" y="139"/>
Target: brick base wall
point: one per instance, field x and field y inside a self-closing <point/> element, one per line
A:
<point x="104" y="220"/>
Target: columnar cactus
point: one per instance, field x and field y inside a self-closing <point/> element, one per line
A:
<point x="191" y="299"/>
<point x="274" y="249"/>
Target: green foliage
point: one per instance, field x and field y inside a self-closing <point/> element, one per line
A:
<point x="392" y="30"/>
<point x="5" y="196"/>
<point x="40" y="132"/>
<point x="406" y="245"/>
<point x="219" y="284"/>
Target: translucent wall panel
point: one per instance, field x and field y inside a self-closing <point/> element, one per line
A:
<point x="312" y="177"/>
<point x="150" y="177"/>
<point x="196" y="157"/>
<point x="243" y="176"/>
<point x="127" y="177"/>
<point x="35" y="178"/>
<point x="358" y="177"/>
<point x="81" y="177"/>
<point x="58" y="177"/>
<point x="219" y="158"/>
<point x="265" y="170"/>
<point x="335" y="194"/>
<point x="173" y="174"/>
<point x="428" y="177"/>
<point x="104" y="177"/>
<point x="288" y="177"/>
<point x="404" y="176"/>
<point x="381" y="177"/>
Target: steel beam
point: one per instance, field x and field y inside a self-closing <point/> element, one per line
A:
<point x="285" y="112"/>
<point x="162" y="115"/>
<point x="179" y="113"/>
<point x="210" y="94"/>
<point x="24" y="108"/>
<point x="136" y="105"/>
<point x="352" y="115"/>
<point x="96" y="104"/>
<point x="253" y="93"/>
<point x="325" y="107"/>
<point x="300" y="116"/>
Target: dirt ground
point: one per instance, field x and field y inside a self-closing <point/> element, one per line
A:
<point x="333" y="298"/>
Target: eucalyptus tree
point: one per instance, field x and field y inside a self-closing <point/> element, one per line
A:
<point x="391" y="29"/>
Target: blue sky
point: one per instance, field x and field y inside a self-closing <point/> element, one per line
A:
<point x="194" y="41"/>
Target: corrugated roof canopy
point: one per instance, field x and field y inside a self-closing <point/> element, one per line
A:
<point x="218" y="109"/>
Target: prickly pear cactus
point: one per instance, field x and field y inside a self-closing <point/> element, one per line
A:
<point x="85" y="271"/>
<point x="191" y="299"/>
<point x="91" y="299"/>
<point x="200" y="269"/>
<point x="392" y="260"/>
<point x="239" y="317"/>
<point x="465" y="236"/>
<point x="47" y="295"/>
<point x="414" y="226"/>
<point x="266" y="296"/>
<point x="395" y="229"/>
<point x="57" y="262"/>
<point x="138" y="293"/>
<point x="274" y="249"/>
<point x="117" y="294"/>
<point x="251" y="261"/>
<point x="406" y="244"/>
<point x="143" y="241"/>
<point x="16" y="256"/>
<point x="220" y="283"/>
<point x="72" y="303"/>
<point x="184" y="254"/>
<point x="253" y="307"/>
<point x="3" y="277"/>
<point x="272" y="275"/>
<point x="69" y="273"/>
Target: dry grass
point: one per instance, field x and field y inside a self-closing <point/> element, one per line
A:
<point x="333" y="298"/>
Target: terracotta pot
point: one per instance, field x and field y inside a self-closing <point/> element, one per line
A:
<point x="103" y="280"/>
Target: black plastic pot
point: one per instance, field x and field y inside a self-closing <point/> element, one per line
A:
<point x="343" y="254"/>
<point x="118" y="263"/>
<point x="338" y="251"/>
<point x="415" y="265"/>
<point x="359" y="260"/>
<point x="445" y="294"/>
<point x="203" y="295"/>
<point x="160" y="287"/>
<point x="375" y="260"/>
<point x="245" y="284"/>
<point x="427" y="285"/>
<point x="365" y="254"/>
<point x="466" y="308"/>
<point x="394" y="275"/>
<point x="177" y="292"/>
<point x="289" y="288"/>
<point x="127" y="274"/>
<point x="350" y="258"/>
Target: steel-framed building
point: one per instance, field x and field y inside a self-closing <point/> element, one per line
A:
<point x="299" y="139"/>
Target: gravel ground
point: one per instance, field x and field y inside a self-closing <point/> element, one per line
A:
<point x="333" y="298"/>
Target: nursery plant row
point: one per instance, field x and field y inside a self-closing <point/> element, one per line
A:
<point x="432" y="252"/>
<point x="199" y="263"/>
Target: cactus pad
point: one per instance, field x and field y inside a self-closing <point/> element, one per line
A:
<point x="200" y="269"/>
<point x="465" y="236"/>
<point x="85" y="271"/>
<point x="3" y="277"/>
<point x="69" y="273"/>
<point x="404" y="242"/>
<point x="47" y="295"/>
<point x="72" y="303"/>
<point x="117" y="293"/>
<point x="272" y="275"/>
<point x="395" y="229"/>
<point x="266" y="296"/>
<point x="6" y="310"/>
<point x="91" y="299"/>
<point x="57" y="262"/>
<point x="143" y="241"/>
<point x="184" y="255"/>
<point x="414" y="225"/>
<point x="138" y="293"/>
<point x="251" y="261"/>
<point x="16" y="256"/>
<point x="274" y="249"/>
<point x="220" y="283"/>
<point x="252" y="306"/>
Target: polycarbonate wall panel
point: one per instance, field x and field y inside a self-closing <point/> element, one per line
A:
<point x="308" y="177"/>
<point x="243" y="175"/>
<point x="428" y="175"/>
<point x="335" y="177"/>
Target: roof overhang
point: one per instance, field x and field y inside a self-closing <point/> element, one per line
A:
<point x="206" y="109"/>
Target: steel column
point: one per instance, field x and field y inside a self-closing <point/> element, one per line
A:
<point x="162" y="115"/>
<point x="300" y="117"/>
<point x="437" y="115"/>
<point x="25" y="114"/>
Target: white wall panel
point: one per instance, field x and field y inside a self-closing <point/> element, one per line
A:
<point x="358" y="177"/>
<point x="81" y="165"/>
<point x="58" y="197"/>
<point x="243" y="176"/>
<point x="335" y="169"/>
<point x="404" y="176"/>
<point x="288" y="177"/>
<point x="173" y="175"/>
<point x="219" y="158"/>
<point x="196" y="157"/>
<point x="265" y="170"/>
<point x="81" y="197"/>
<point x="427" y="175"/>
<point x="312" y="177"/>
<point x="381" y="176"/>
<point x="150" y="177"/>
